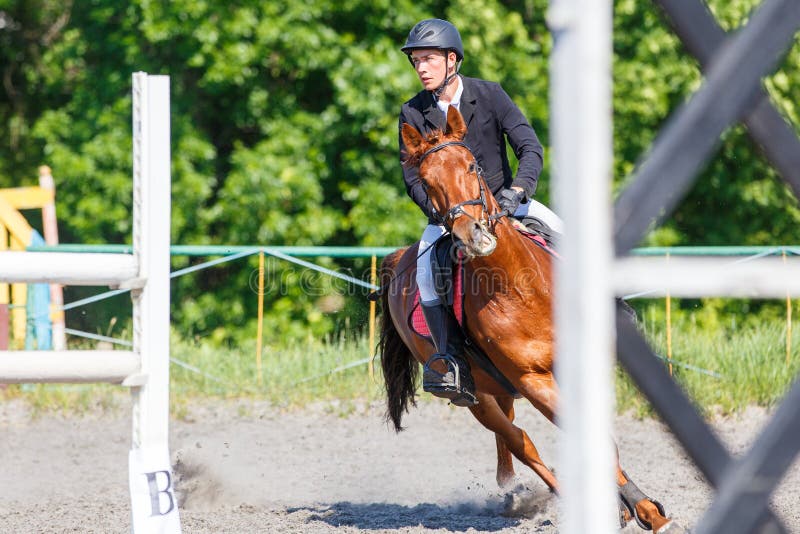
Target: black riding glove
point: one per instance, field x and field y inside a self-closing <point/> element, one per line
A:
<point x="510" y="199"/>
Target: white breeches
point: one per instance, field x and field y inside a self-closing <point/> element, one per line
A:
<point x="427" y="293"/>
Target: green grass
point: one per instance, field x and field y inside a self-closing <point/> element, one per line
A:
<point x="292" y="375"/>
<point x="748" y="364"/>
<point x="67" y="399"/>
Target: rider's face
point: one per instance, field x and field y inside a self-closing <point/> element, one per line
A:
<point x="430" y="66"/>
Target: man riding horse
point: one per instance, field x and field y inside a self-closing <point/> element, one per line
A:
<point x="435" y="50"/>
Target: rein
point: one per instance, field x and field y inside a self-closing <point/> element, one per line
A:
<point x="458" y="210"/>
<point x="375" y="295"/>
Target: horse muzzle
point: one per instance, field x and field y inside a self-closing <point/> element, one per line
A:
<point x="477" y="240"/>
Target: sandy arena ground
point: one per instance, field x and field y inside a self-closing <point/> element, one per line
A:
<point x="253" y="468"/>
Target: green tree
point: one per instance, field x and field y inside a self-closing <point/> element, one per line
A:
<point x="284" y="130"/>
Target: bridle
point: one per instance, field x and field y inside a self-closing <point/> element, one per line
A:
<point x="454" y="212"/>
<point x="458" y="210"/>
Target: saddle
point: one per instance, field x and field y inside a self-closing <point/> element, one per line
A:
<point x="540" y="230"/>
<point x="448" y="270"/>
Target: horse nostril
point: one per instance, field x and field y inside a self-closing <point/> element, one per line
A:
<point x="477" y="231"/>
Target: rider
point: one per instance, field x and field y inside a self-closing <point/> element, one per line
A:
<point x="435" y="50"/>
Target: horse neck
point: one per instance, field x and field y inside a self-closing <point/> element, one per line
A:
<point x="513" y="249"/>
<point x="515" y="253"/>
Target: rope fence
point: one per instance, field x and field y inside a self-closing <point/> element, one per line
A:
<point x="292" y="254"/>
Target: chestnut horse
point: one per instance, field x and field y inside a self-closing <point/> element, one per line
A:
<point x="507" y="312"/>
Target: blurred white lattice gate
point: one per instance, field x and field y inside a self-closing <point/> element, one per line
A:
<point x="592" y="273"/>
<point x="145" y="368"/>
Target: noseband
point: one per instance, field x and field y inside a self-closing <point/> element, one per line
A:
<point x="458" y="210"/>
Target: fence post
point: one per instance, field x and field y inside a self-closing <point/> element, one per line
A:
<point x="153" y="503"/>
<point x="260" y="329"/>
<point x="669" y="327"/>
<point x="50" y="227"/>
<point x="373" y="278"/>
<point x="5" y="295"/>
<point x="788" y="318"/>
<point x="580" y="66"/>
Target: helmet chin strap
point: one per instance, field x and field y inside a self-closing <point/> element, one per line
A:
<point x="437" y="93"/>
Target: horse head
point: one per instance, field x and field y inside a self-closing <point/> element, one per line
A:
<point x="454" y="183"/>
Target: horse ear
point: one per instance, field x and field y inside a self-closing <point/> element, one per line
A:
<point x="412" y="139"/>
<point x="455" y="123"/>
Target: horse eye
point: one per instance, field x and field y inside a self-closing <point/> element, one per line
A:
<point x="471" y="168"/>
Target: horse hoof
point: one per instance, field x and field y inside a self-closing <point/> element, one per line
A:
<point x="672" y="528"/>
<point x="510" y="483"/>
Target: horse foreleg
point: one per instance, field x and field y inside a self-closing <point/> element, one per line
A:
<point x="491" y="416"/>
<point x="505" y="462"/>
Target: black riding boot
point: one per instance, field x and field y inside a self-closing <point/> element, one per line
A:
<point x="456" y="383"/>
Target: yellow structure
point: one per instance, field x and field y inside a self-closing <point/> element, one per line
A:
<point x="15" y="234"/>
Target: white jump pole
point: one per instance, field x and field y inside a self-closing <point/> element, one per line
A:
<point x="68" y="268"/>
<point x="146" y="368"/>
<point x="153" y="504"/>
<point x="75" y="366"/>
<point x="581" y="111"/>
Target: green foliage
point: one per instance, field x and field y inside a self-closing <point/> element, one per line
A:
<point x="738" y="198"/>
<point x="284" y="131"/>
<point x="727" y="354"/>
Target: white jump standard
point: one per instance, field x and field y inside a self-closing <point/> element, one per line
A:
<point x="146" y="273"/>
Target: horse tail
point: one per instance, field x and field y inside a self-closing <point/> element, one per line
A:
<point x="399" y="366"/>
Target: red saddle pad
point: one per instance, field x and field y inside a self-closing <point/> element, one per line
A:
<point x="417" y="319"/>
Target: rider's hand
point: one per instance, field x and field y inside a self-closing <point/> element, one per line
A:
<point x="510" y="199"/>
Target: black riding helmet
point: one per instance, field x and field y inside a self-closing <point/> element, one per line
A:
<point x="434" y="33"/>
<point x="437" y="34"/>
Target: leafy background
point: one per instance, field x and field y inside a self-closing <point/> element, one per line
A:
<point x="285" y="132"/>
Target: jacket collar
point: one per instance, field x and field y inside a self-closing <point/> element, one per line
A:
<point x="435" y="117"/>
<point x="468" y="100"/>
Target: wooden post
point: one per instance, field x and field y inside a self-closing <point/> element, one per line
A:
<point x="581" y="137"/>
<point x="669" y="329"/>
<point x="19" y="300"/>
<point x="4" y="295"/>
<point x="788" y="320"/>
<point x="51" y="238"/>
<point x="19" y="233"/>
<point x="260" y="328"/>
<point x="3" y="325"/>
<point x="373" y="280"/>
<point x="152" y="204"/>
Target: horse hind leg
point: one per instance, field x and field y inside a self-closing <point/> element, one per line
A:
<point x="505" y="462"/>
<point x="491" y="416"/>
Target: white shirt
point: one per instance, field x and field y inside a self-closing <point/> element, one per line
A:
<point x="456" y="101"/>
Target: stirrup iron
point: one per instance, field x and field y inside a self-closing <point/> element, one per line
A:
<point x="449" y="385"/>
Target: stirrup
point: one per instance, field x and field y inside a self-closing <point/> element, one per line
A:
<point x="455" y="384"/>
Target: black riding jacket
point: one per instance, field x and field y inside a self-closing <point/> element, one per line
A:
<point x="491" y="118"/>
